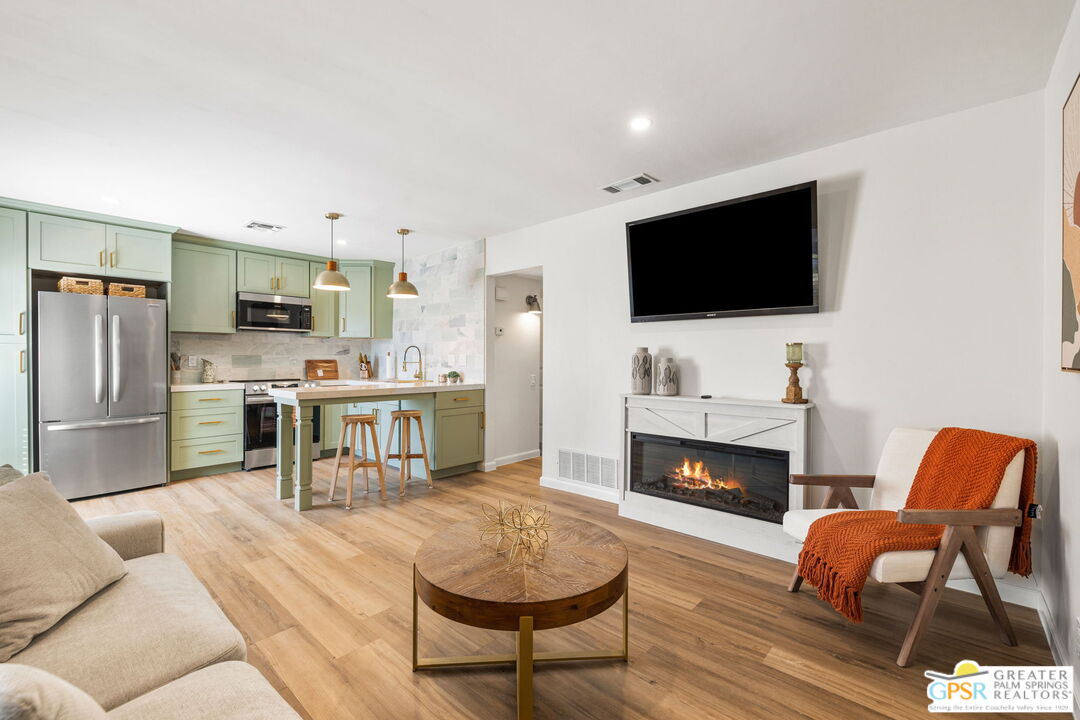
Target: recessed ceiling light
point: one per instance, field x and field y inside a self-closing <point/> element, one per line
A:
<point x="342" y="241"/>
<point x="640" y="124"/>
<point x="109" y="200"/>
<point x="264" y="227"/>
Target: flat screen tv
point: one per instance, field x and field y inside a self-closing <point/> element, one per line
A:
<point x="754" y="255"/>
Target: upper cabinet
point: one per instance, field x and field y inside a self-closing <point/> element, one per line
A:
<point x="365" y="311"/>
<point x="270" y="274"/>
<point x="85" y="247"/>
<point x="13" y="317"/>
<point x="324" y="304"/>
<point x="203" y="289"/>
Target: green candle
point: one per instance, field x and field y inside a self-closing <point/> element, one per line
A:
<point x="794" y="352"/>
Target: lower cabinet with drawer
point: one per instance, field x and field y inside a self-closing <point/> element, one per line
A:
<point x="459" y="431"/>
<point x="206" y="431"/>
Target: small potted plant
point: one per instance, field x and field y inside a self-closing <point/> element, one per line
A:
<point x="453" y="376"/>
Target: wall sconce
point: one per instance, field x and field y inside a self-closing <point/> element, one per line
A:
<point x="532" y="302"/>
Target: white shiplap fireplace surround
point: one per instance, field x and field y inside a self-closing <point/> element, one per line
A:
<point x="752" y="423"/>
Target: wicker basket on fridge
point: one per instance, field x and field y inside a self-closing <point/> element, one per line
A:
<point x="127" y="290"/>
<point x="83" y="286"/>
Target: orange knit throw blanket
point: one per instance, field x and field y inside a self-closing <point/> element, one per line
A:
<point x="961" y="470"/>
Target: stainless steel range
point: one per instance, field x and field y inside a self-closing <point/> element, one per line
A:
<point x="260" y="421"/>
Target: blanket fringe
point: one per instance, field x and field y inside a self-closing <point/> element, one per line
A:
<point x="830" y="586"/>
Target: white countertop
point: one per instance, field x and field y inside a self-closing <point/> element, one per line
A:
<point x="334" y="389"/>
<point x="207" y="386"/>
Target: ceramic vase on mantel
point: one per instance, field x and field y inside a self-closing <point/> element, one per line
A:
<point x="667" y="377"/>
<point x="641" y="372"/>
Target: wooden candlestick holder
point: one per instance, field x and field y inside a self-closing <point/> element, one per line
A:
<point x="794" y="390"/>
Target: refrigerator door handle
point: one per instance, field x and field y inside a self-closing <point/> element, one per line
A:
<point x="52" y="427"/>
<point x="99" y="359"/>
<point x="115" y="359"/>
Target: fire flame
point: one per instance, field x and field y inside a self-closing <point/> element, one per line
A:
<point x="695" y="476"/>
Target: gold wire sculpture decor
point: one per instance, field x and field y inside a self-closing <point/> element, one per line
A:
<point x="519" y="531"/>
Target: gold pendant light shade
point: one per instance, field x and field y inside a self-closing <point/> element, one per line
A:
<point x="402" y="289"/>
<point x="330" y="279"/>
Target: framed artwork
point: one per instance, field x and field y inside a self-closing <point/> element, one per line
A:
<point x="1070" y="232"/>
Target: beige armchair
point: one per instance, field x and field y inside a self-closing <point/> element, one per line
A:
<point x="976" y="543"/>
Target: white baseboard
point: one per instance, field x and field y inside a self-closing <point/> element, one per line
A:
<point x="1058" y="650"/>
<point x="517" y="457"/>
<point x="488" y="466"/>
<point x="606" y="494"/>
<point x="1027" y="597"/>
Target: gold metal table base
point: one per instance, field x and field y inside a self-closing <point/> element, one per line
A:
<point x="525" y="656"/>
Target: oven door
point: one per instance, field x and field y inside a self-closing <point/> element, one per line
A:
<point x="260" y="432"/>
<point x="255" y="311"/>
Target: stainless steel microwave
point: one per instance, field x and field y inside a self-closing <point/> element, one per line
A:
<point x="255" y="311"/>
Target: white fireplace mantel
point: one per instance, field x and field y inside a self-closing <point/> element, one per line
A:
<point x="753" y="423"/>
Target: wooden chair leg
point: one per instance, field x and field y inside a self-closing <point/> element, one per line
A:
<point x="337" y="461"/>
<point x="406" y="445"/>
<point x="363" y="451"/>
<point x="389" y="444"/>
<point x="378" y="461"/>
<point x="934" y="586"/>
<point x="980" y="570"/>
<point x="423" y="449"/>
<point x="796" y="581"/>
<point x="352" y="465"/>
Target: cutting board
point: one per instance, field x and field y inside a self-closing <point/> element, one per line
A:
<point x="320" y="370"/>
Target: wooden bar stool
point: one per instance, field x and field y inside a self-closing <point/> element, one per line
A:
<point x="365" y="423"/>
<point x="407" y="417"/>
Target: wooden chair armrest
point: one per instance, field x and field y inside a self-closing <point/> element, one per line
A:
<point x="992" y="516"/>
<point x="848" y="481"/>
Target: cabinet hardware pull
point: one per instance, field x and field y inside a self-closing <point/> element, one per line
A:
<point x="483" y="419"/>
<point x="212" y="422"/>
<point x="101" y="258"/>
<point x="210" y="452"/>
<point x="281" y="282"/>
<point x="460" y="399"/>
<point x="342" y="324"/>
<point x="234" y="318"/>
<point x="22" y="361"/>
<point x="22" y="327"/>
<point x="209" y="399"/>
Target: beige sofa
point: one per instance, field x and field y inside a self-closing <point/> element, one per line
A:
<point x="154" y="645"/>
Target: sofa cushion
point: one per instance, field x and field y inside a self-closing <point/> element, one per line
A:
<point x="232" y="690"/>
<point x="153" y="626"/>
<point x="27" y="693"/>
<point x="50" y="561"/>
<point x="8" y="473"/>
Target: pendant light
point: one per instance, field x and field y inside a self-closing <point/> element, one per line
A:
<point x="402" y="289"/>
<point x="330" y="278"/>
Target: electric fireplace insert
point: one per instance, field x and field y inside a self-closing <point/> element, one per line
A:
<point x="737" y="479"/>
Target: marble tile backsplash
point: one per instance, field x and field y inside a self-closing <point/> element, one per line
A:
<point x="253" y="355"/>
<point x="447" y="321"/>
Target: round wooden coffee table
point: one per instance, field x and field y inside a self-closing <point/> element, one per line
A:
<point x="583" y="572"/>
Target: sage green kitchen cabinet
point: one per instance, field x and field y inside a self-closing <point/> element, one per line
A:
<point x="324" y="304"/>
<point x="364" y="311"/>
<point x="138" y="254"/>
<point x="270" y="274"/>
<point x="13" y="296"/>
<point x="67" y="245"/>
<point x="14" y="406"/>
<point x="459" y="437"/>
<point x="14" y="358"/>
<point x="330" y="426"/>
<point x="292" y="277"/>
<point x="203" y="289"/>
<point x="84" y="247"/>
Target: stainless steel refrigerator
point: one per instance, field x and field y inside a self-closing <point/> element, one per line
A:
<point x="102" y="392"/>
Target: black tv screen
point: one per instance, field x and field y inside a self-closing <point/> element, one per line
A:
<point x="755" y="255"/>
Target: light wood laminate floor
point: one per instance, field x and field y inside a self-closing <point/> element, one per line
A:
<point x="324" y="600"/>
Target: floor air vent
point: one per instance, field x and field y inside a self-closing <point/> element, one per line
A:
<point x="590" y="469"/>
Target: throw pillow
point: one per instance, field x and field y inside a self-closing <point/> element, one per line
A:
<point x="8" y="473"/>
<point x="28" y="693"/>
<point x="50" y="561"/>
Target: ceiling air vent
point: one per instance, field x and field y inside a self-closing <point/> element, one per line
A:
<point x="264" y="227"/>
<point x="630" y="183"/>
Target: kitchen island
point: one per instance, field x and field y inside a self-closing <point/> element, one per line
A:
<point x="453" y="415"/>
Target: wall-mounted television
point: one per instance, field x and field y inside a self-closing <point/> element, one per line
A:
<point x="754" y="255"/>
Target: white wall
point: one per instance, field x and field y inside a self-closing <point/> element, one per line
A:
<point x="513" y="398"/>
<point x="931" y="277"/>
<point x="1059" y="487"/>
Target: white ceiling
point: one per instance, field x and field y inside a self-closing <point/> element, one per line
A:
<point x="468" y="118"/>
